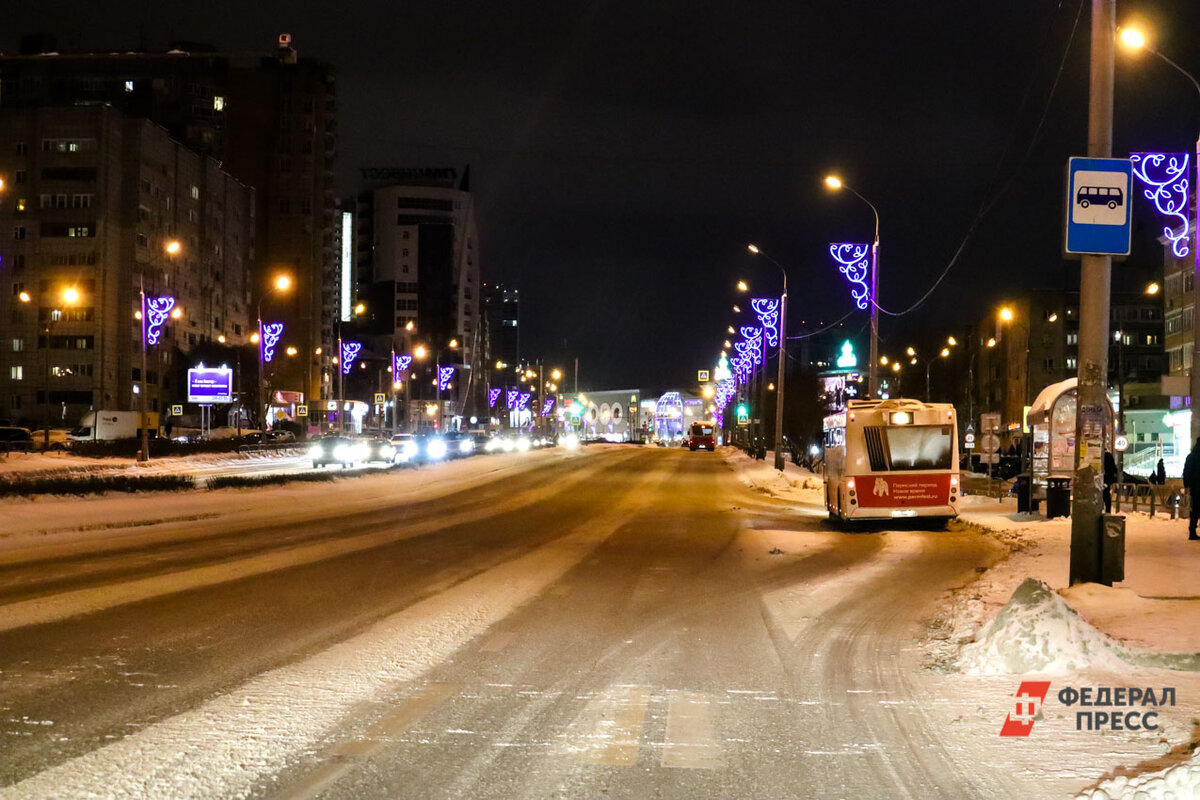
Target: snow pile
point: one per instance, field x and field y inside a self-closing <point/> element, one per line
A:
<point x="1037" y="632"/>
<point x="1180" y="782"/>
<point x="793" y="483"/>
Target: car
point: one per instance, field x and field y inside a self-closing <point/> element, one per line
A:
<point x="458" y="444"/>
<point x="379" y="450"/>
<point x="279" y="436"/>
<point x="15" y="439"/>
<point x="337" y="450"/>
<point x="405" y="448"/>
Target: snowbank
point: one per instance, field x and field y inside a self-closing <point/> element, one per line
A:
<point x="794" y="483"/>
<point x="1179" y="782"/>
<point x="1037" y="632"/>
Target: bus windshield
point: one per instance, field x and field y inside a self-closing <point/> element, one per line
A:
<point x="919" y="446"/>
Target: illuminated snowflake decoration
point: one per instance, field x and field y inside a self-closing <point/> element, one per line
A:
<point x="523" y="400"/>
<point x="854" y="264"/>
<point x="493" y="396"/>
<point x="1167" y="183"/>
<point x="350" y="351"/>
<point x="767" y="309"/>
<point x="512" y="398"/>
<point x="547" y="406"/>
<point x="272" y="332"/>
<point x="156" y="312"/>
<point x="444" y="376"/>
<point x="401" y="366"/>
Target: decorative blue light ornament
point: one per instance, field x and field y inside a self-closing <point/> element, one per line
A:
<point x="444" y="376"/>
<point x="512" y="398"/>
<point x="272" y="332"/>
<point x="547" y="406"/>
<point x="854" y="264"/>
<point x="401" y="366"/>
<point x="350" y="351"/>
<point x="493" y="396"/>
<point x="1167" y="182"/>
<point x="523" y="400"/>
<point x="156" y="312"/>
<point x="767" y="309"/>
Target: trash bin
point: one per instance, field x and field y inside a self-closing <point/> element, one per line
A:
<point x="1022" y="487"/>
<point x="1058" y="497"/>
<point x="1112" y="549"/>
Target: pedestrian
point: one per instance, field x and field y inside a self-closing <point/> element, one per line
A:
<point x="1160" y="473"/>
<point x="1110" y="477"/>
<point x="1191" y="483"/>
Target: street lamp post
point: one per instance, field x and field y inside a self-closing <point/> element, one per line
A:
<point x="1134" y="39"/>
<point x="834" y="182"/>
<point x="782" y="371"/>
<point x="280" y="284"/>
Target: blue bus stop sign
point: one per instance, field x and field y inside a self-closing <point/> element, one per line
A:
<point x="1098" y="206"/>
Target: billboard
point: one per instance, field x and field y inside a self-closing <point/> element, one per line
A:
<point x="210" y="385"/>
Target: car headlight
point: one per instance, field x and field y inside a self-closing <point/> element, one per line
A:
<point x="491" y="445"/>
<point x="570" y="441"/>
<point x="341" y="452"/>
<point x="387" y="451"/>
<point x="466" y="446"/>
<point x="507" y="445"/>
<point x="436" y="448"/>
<point x="316" y="451"/>
<point x="360" y="451"/>
<point x="523" y="443"/>
<point x="411" y="449"/>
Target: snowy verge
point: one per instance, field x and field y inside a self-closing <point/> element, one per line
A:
<point x="794" y="483"/>
<point x="1178" y="782"/>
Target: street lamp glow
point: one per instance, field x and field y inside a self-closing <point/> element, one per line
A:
<point x="753" y="248"/>
<point x="951" y="341"/>
<point x="24" y="297"/>
<point x="176" y="312"/>
<point x="453" y="343"/>
<point x="282" y="282"/>
<point x="254" y="338"/>
<point x="70" y="295"/>
<point x="729" y="330"/>
<point x="911" y="351"/>
<point x="172" y="247"/>
<point x="556" y="374"/>
<point x="1132" y="38"/>
<point x="1006" y="314"/>
<point x="945" y="352"/>
<point x="895" y="366"/>
<point x="883" y="360"/>
<point x="737" y="309"/>
<point x="727" y="345"/>
<point x="742" y="287"/>
<point x="991" y="342"/>
<point x="420" y="351"/>
<point x="360" y="309"/>
<point x="833" y="182"/>
<point x="408" y="326"/>
<point x="1153" y="288"/>
<point x="1052" y="318"/>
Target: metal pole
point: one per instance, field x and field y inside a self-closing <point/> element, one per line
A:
<point x="1087" y="503"/>
<point x="873" y="374"/>
<point x="1195" y="386"/>
<point x="145" y="454"/>
<point x="782" y="376"/>
<point x="341" y="409"/>
<point x="262" y="378"/>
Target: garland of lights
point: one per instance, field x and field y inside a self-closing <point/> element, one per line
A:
<point x="157" y="311"/>
<point x="350" y="351"/>
<point x="444" y="376"/>
<point x="726" y="388"/>
<point x="401" y="366"/>
<point x="512" y="398"/>
<point x="493" y="396"/>
<point x="547" y="406"/>
<point x="767" y="309"/>
<point x="852" y="262"/>
<point x="1167" y="183"/>
<point x="272" y="332"/>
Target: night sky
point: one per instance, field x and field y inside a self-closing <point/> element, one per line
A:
<point x="623" y="154"/>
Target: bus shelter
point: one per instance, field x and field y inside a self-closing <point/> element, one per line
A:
<point x="1052" y="419"/>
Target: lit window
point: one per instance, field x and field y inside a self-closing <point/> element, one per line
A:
<point x="16" y="373"/>
<point x="218" y="103"/>
<point x="129" y="86"/>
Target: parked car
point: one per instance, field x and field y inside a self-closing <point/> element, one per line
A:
<point x="337" y="450"/>
<point x="15" y="439"/>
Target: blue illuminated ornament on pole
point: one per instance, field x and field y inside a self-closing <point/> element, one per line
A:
<point x="444" y="376"/>
<point x="271" y="334"/>
<point x="547" y="406"/>
<point x="853" y="262"/>
<point x="767" y="309"/>
<point x="493" y="396"/>
<point x="751" y="346"/>
<point x="156" y="312"/>
<point x="401" y="366"/>
<point x="523" y="400"/>
<point x="350" y="351"/>
<point x="512" y="398"/>
<point x="1167" y="182"/>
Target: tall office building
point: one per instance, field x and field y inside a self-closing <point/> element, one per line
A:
<point x="91" y="200"/>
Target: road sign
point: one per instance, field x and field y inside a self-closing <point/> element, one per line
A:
<point x="989" y="458"/>
<point x="989" y="423"/>
<point x="969" y="445"/>
<point x="969" y="441"/>
<point x="301" y="411"/>
<point x="1098" y="206"/>
<point x="702" y="375"/>
<point x="177" y="410"/>
<point x="743" y="415"/>
<point x="1121" y="443"/>
<point x="380" y="398"/>
<point x="989" y="443"/>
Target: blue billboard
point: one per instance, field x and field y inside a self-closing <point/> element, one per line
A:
<point x="210" y="385"/>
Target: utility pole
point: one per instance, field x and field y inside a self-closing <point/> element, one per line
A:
<point x="1091" y="414"/>
<point x="782" y="377"/>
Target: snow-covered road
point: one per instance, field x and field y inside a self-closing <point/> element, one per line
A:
<point x="615" y="621"/>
